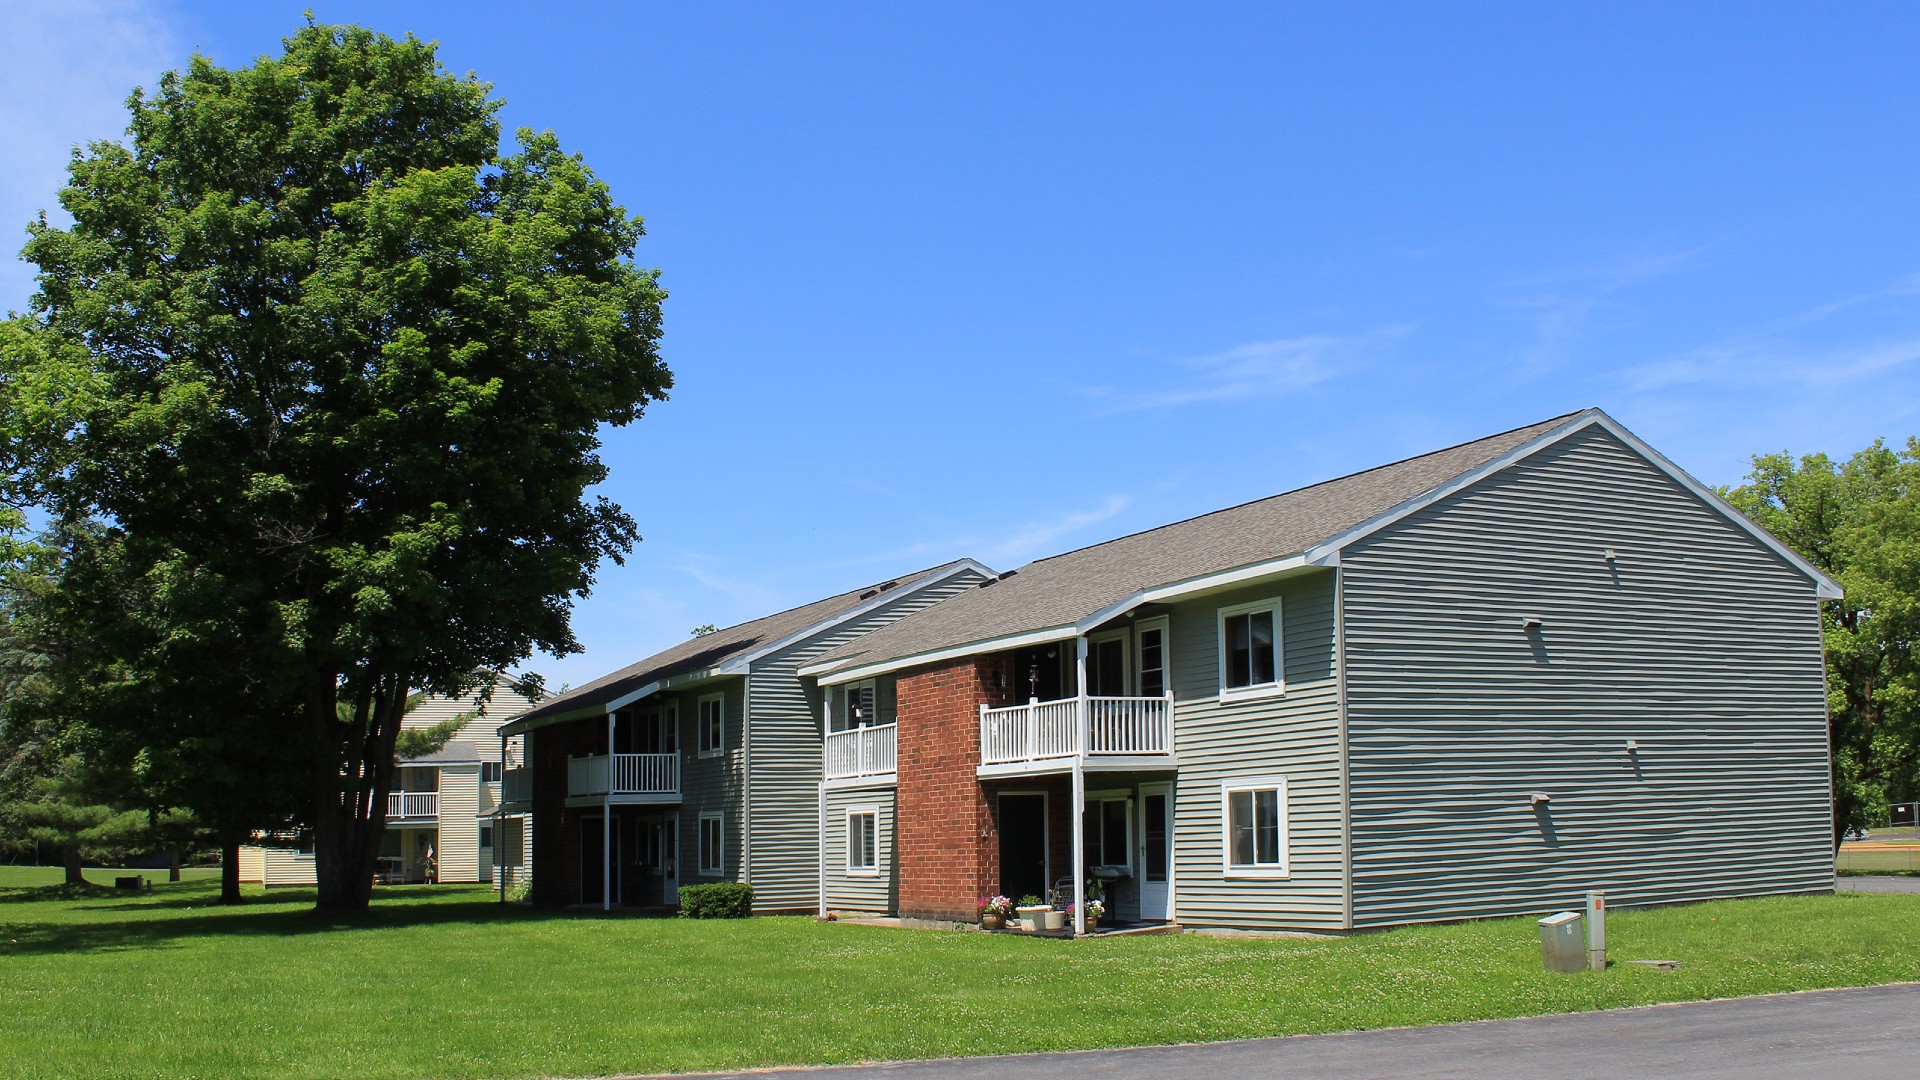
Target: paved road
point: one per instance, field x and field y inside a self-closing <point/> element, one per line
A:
<point x="1865" y="1034"/>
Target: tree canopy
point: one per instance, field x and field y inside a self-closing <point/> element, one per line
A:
<point x="330" y="367"/>
<point x="1859" y="521"/>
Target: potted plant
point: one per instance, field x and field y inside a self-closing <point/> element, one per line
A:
<point x="1033" y="912"/>
<point x="1095" y="908"/>
<point x="994" y="911"/>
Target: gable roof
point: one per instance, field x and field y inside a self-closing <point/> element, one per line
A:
<point x="727" y="651"/>
<point x="1068" y="594"/>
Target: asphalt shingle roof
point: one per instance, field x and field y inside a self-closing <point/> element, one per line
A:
<point x="711" y="650"/>
<point x="1063" y="589"/>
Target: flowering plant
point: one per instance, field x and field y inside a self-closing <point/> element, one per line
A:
<point x="1095" y="909"/>
<point x="996" y="905"/>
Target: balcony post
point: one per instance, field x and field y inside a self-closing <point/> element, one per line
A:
<point x="1083" y="721"/>
<point x="606" y="826"/>
<point x="1079" y="867"/>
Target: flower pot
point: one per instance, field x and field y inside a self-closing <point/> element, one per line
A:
<point x="992" y="920"/>
<point x="1056" y="920"/>
<point x="1033" y="918"/>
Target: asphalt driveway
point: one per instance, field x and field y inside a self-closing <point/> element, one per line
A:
<point x="1877" y="884"/>
<point x="1864" y="1034"/>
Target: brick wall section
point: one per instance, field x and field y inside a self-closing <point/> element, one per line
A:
<point x="947" y="847"/>
<point x="556" y="826"/>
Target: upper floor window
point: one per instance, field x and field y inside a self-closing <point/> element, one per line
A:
<point x="712" y="725"/>
<point x="1250" y="648"/>
<point x="867" y="703"/>
<point x="489" y="774"/>
<point x="1151" y="642"/>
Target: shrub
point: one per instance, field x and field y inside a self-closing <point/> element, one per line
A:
<point x="721" y="900"/>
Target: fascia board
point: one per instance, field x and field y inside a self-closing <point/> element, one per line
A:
<point x="742" y="664"/>
<point x="1175" y="590"/>
<point x="828" y="676"/>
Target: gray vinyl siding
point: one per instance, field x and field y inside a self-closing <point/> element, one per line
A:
<point x="788" y="731"/>
<point x="1699" y="643"/>
<point x="711" y="783"/>
<point x="860" y="892"/>
<point x="1294" y="736"/>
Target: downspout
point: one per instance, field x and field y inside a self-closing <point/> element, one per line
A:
<point x="1085" y="718"/>
<point x="826" y="726"/>
<point x="499" y="827"/>
<point x="1340" y="692"/>
<point x="746" y="779"/>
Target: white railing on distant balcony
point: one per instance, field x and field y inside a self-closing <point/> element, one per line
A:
<point x="867" y="751"/>
<point x="624" y="774"/>
<point x="516" y="785"/>
<point x="412" y="804"/>
<point x="1040" y="730"/>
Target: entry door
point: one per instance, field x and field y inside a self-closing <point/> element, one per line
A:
<point x="1156" y="851"/>
<point x="1107" y="665"/>
<point x="669" y="859"/>
<point x="592" y="860"/>
<point x="1023" y="846"/>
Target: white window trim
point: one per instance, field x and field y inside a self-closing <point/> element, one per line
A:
<point x="863" y="871"/>
<point x="1275" y="688"/>
<point x="1282" y="869"/>
<point x="719" y="843"/>
<point x="700" y="726"/>
<point x="1140" y="631"/>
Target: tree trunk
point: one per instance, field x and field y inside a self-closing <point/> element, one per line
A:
<point x="173" y="862"/>
<point x="74" y="876"/>
<point x="230" y="872"/>
<point x="350" y="813"/>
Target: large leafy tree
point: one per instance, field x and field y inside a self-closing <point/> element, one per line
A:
<point x="332" y="366"/>
<point x="1859" y="521"/>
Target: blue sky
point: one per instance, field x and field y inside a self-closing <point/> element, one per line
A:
<point x="994" y="281"/>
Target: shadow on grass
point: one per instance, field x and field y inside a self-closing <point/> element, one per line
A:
<point x="200" y="918"/>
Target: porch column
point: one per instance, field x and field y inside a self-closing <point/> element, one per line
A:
<point x="823" y="849"/>
<point x="1082" y="722"/>
<point x="606" y="826"/>
<point x="500" y="827"/>
<point x="1079" y="849"/>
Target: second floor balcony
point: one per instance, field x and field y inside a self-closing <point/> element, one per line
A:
<point x="516" y="788"/>
<point x="1095" y="732"/>
<point x="866" y="751"/>
<point x="413" y="805"/>
<point x="625" y="778"/>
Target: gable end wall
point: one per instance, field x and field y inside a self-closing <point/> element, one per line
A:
<point x="1697" y="642"/>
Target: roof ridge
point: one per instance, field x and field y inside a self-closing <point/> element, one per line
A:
<point x="1309" y="487"/>
<point x="880" y="586"/>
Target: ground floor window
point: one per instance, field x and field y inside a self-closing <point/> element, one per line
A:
<point x="1107" y="831"/>
<point x="1254" y="833"/>
<point x="712" y="842"/>
<point x="486" y="836"/>
<point x="863" y="835"/>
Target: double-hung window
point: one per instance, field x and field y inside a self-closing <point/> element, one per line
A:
<point x="1250" y="649"/>
<point x="1253" y="816"/>
<point x="1107" y="830"/>
<point x="712" y="725"/>
<point x="489" y="774"/>
<point x="713" y="849"/>
<point x="863" y="840"/>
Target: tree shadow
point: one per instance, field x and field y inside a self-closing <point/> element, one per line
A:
<point x="199" y="917"/>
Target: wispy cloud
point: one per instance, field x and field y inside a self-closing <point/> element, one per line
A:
<point x="1042" y="537"/>
<point x="69" y="68"/>
<point x="748" y="595"/>
<point x="1257" y="369"/>
<point x="1563" y="306"/>
<point x="1775" y="355"/>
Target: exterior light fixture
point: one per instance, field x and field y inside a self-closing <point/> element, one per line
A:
<point x="1540" y="798"/>
<point x="1530" y="622"/>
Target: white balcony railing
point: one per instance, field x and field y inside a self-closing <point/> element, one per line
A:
<point x="624" y="774"/>
<point x="1041" y="730"/>
<point x="516" y="786"/>
<point x="867" y="751"/>
<point x="412" y="804"/>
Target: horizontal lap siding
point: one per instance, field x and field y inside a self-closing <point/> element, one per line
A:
<point x="855" y="892"/>
<point x="457" y="845"/>
<point x="787" y="739"/>
<point x="1295" y="736"/>
<point x="1700" y="644"/>
<point x="711" y="783"/>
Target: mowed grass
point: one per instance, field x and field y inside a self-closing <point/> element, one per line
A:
<point x="445" y="982"/>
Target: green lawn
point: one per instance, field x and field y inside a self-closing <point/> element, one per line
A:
<point x="444" y="982"/>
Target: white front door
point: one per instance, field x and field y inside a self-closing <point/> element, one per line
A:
<point x="670" y="859"/>
<point x="1156" y="851"/>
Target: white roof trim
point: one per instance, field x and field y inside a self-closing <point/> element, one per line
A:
<point x="743" y="663"/>
<point x="1328" y="553"/>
